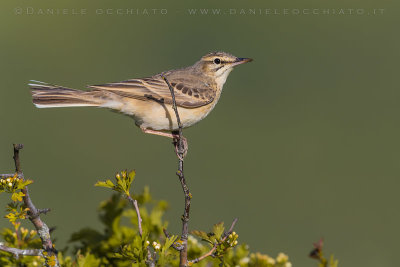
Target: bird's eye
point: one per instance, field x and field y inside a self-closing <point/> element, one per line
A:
<point x="217" y="61"/>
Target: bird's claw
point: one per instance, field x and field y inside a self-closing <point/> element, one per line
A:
<point x="181" y="147"/>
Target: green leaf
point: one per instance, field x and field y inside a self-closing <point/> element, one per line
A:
<point x="203" y="235"/>
<point x="218" y="229"/>
<point x="333" y="262"/>
<point x="107" y="184"/>
<point x="169" y="241"/>
<point x="131" y="178"/>
<point x="12" y="206"/>
<point x="88" y="260"/>
<point x="11" y="217"/>
<point x="24" y="183"/>
<point x="17" y="196"/>
<point x="200" y="234"/>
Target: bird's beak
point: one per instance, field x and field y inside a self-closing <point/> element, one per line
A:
<point x="241" y="60"/>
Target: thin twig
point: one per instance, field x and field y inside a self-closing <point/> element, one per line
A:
<point x="44" y="211"/>
<point x="17" y="162"/>
<point x="34" y="213"/>
<point x="212" y="250"/>
<point x="181" y="151"/>
<point x="22" y="252"/>
<point x="149" y="261"/>
<point x="174" y="107"/>
<point x="134" y="203"/>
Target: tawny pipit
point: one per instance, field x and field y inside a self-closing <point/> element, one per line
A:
<point x="148" y="100"/>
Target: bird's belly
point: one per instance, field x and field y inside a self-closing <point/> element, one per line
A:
<point x="159" y="116"/>
<point x="162" y="117"/>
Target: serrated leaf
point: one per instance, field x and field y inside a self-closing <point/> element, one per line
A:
<point x="333" y="262"/>
<point x="131" y="177"/>
<point x="24" y="183"/>
<point x="203" y="235"/>
<point x="107" y="184"/>
<point x="218" y="229"/>
<point x="200" y="234"/>
<point x="17" y="196"/>
<point x="12" y="206"/>
<point x="11" y="217"/>
<point x="169" y="241"/>
<point x="88" y="260"/>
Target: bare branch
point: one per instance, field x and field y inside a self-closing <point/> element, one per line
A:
<point x="17" y="163"/>
<point x="134" y="203"/>
<point x="150" y="261"/>
<point x="44" y="211"/>
<point x="231" y="228"/>
<point x="181" y="151"/>
<point x="212" y="250"/>
<point x="17" y="148"/>
<point x="33" y="212"/>
<point x="22" y="252"/>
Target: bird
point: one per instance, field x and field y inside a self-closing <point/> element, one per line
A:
<point x="148" y="101"/>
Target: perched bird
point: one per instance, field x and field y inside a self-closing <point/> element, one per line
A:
<point x="148" y="100"/>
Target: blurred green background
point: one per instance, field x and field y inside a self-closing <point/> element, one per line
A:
<point x="303" y="144"/>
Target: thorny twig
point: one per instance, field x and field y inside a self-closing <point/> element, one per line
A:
<point x="34" y="216"/>
<point x="181" y="151"/>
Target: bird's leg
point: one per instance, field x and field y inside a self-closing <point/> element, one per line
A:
<point x="175" y="136"/>
<point x="160" y="133"/>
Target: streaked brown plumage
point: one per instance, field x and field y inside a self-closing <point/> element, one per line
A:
<point x="148" y="100"/>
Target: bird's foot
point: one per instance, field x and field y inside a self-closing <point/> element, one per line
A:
<point x="181" y="146"/>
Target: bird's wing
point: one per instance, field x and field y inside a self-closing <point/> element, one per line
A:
<point x="187" y="94"/>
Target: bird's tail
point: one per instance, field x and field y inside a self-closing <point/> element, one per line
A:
<point x="50" y="96"/>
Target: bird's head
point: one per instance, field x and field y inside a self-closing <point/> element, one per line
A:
<point x="218" y="65"/>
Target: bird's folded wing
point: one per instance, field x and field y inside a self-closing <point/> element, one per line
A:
<point x="188" y="92"/>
